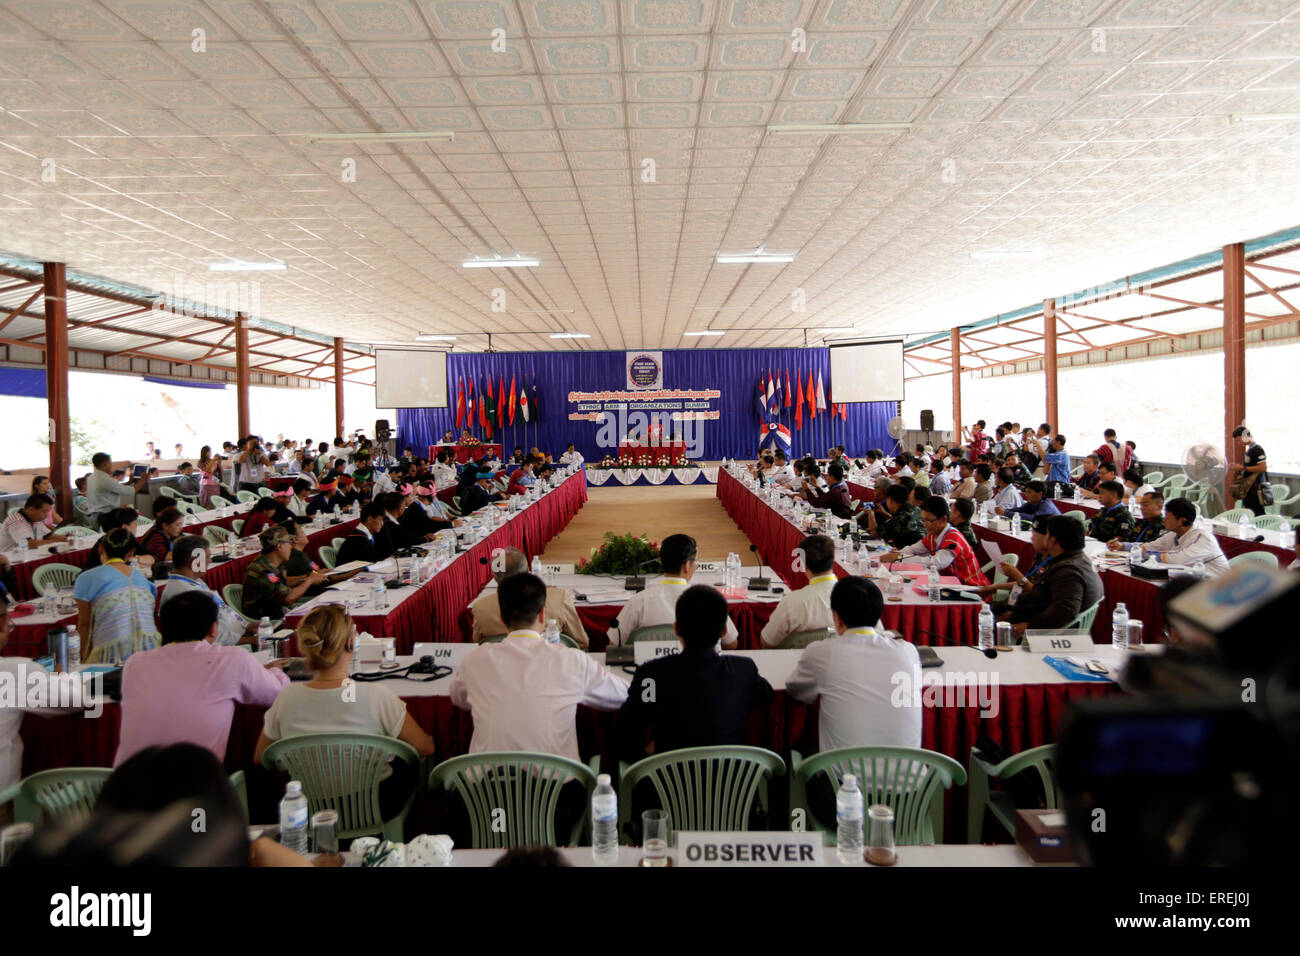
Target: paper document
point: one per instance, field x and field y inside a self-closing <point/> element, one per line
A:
<point x="993" y="551"/>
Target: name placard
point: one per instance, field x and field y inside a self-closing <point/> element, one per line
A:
<point x="777" y="848"/>
<point x="649" y="650"/>
<point x="710" y="566"/>
<point x="557" y="569"/>
<point x="1053" y="642"/>
<point x="448" y="655"/>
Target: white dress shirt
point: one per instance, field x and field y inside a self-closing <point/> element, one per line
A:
<point x="1195" y="545"/>
<point x="874" y="470"/>
<point x="444" y="474"/>
<point x="783" y="476"/>
<point x="571" y="458"/>
<point x="1008" y="498"/>
<point x="297" y="506"/>
<point x="858" y="676"/>
<point x="29" y="683"/>
<point x="523" y="694"/>
<point x="17" y="531"/>
<point x="806" y="609"/>
<point x="658" y="605"/>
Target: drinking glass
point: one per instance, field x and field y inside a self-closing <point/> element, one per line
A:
<point x="654" y="838"/>
<point x="1134" y="634"/>
<point x="880" y="836"/>
<point x="325" y="838"/>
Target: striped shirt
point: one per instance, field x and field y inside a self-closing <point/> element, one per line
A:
<point x="17" y="531"/>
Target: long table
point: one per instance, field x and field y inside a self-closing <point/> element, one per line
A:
<point x="431" y="612"/>
<point x="1026" y="699"/>
<point x="915" y="617"/>
<point x="465" y="453"/>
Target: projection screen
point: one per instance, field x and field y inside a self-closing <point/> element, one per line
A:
<point x="410" y="378"/>
<point x="867" y="371"/>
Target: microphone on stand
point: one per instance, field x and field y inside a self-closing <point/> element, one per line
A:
<point x="990" y="652"/>
<point x="636" y="582"/>
<point x="759" y="583"/>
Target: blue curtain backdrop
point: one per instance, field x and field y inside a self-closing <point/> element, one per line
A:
<point x="734" y="372"/>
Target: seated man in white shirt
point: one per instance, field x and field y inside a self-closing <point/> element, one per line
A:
<point x="523" y="692"/>
<point x="1184" y="543"/>
<point x="809" y="608"/>
<point x="867" y="681"/>
<point x="782" y="475"/>
<point x="26" y="527"/>
<point x="443" y="471"/>
<point x="658" y="604"/>
<point x="571" y="456"/>
<point x="1006" y="496"/>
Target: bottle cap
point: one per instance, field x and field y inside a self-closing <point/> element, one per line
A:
<point x="602" y="780"/>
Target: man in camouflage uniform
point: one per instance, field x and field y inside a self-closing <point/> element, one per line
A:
<point x="896" y="520"/>
<point x="960" y="511"/>
<point x="1150" y="527"/>
<point x="1113" y="521"/>
<point x="266" y="592"/>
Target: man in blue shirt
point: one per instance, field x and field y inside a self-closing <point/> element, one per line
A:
<point x="1057" y="461"/>
<point x="1036" y="503"/>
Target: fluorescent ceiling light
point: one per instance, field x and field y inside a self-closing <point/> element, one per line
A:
<point x="1030" y="254"/>
<point x="752" y="257"/>
<point x="238" y="266"/>
<point x="795" y="129"/>
<point x="428" y="337"/>
<point x="433" y="136"/>
<point x="705" y="332"/>
<point x="570" y="335"/>
<point x="1263" y="117"/>
<point x="514" y="262"/>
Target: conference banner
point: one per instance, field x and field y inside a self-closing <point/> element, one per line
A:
<point x="645" y="371"/>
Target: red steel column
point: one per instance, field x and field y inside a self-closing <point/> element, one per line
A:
<point x="56" y="382"/>
<point x="1049" y="363"/>
<point x="956" y="386"/>
<point x="338" y="386"/>
<point x="241" y="373"/>
<point x="1234" y="346"/>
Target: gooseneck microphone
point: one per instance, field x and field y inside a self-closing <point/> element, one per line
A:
<point x="759" y="583"/>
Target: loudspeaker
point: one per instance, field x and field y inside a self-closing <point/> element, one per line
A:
<point x="381" y="430"/>
<point x="927" y="419"/>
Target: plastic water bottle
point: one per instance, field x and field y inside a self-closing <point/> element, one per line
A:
<point x="293" y="818"/>
<point x="535" y="566"/>
<point x="1015" y="523"/>
<point x="265" y="632"/>
<point x="932" y="584"/>
<point x="848" y="817"/>
<point x="1198" y="569"/>
<point x="1243" y="525"/>
<point x="74" y="648"/>
<point x="604" y="823"/>
<point x="986" y="628"/>
<point x="379" y="595"/>
<point x="1119" y="627"/>
<point x="552" y="633"/>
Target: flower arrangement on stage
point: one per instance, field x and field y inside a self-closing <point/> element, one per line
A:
<point x="469" y="443"/>
<point x="644" y="461"/>
<point x="622" y="554"/>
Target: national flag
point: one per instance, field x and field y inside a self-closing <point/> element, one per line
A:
<point x="844" y="411"/>
<point x="514" y="398"/>
<point x="533" y="408"/>
<point x="523" y="404"/>
<point x="761" y="400"/>
<point x="798" y="404"/>
<point x="460" y="404"/>
<point x="821" y="395"/>
<point x="774" y="432"/>
<point x="812" y="398"/>
<point x="773" y="395"/>
<point x="487" y="409"/>
<point x="789" y="399"/>
<point x="501" y="402"/>
<point x="469" y="405"/>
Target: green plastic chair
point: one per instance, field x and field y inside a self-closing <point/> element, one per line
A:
<point x="1076" y="471"/>
<point x="1074" y="514"/>
<point x="241" y="785"/>
<point x="1234" y="515"/>
<point x="800" y="639"/>
<point x="68" y="793"/>
<point x="702" y="788"/>
<point x="1283" y="497"/>
<point x="238" y="525"/>
<point x="341" y="772"/>
<point x="980" y="798"/>
<point x="329" y="556"/>
<point x="1084" y="621"/>
<point x="1266" y="558"/>
<point x="652" y="632"/>
<point x="247" y="497"/>
<point x="175" y="493"/>
<point x="993" y="570"/>
<point x="525" y="785"/>
<point x="217" y="534"/>
<point x="337" y="543"/>
<point x="233" y="594"/>
<point x="1154" y="478"/>
<point x="53" y="576"/>
<point x="1273" y="522"/>
<point x="265" y="493"/>
<point x="216" y="501"/>
<point x="187" y="508"/>
<point x="910" y="780"/>
<point x="1175" y="484"/>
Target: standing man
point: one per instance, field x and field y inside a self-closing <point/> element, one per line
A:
<point x="104" y="492"/>
<point x="1248" y="475"/>
<point x="250" y="464"/>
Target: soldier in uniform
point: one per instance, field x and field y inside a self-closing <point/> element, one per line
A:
<point x="1150" y="527"/>
<point x="267" y="593"/>
<point x="959" y="514"/>
<point x="901" y="523"/>
<point x="1113" y="521"/>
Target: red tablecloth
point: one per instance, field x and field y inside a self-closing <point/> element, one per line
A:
<point x="29" y="640"/>
<point x="672" y="450"/>
<point x="861" y="492"/>
<point x="276" y="482"/>
<point x="466" y="453"/>
<point x="433" y="612"/>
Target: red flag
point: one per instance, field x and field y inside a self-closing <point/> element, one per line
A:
<point x="844" y="411"/>
<point x="460" y="405"/>
<point x="812" y="398"/>
<point x="501" y="402"/>
<point x="789" y="399"/>
<point x="830" y="400"/>
<point x="469" y="406"/>
<point x="798" y="405"/>
<point x="513" y="399"/>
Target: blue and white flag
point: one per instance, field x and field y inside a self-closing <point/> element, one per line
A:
<point x="774" y="432"/>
